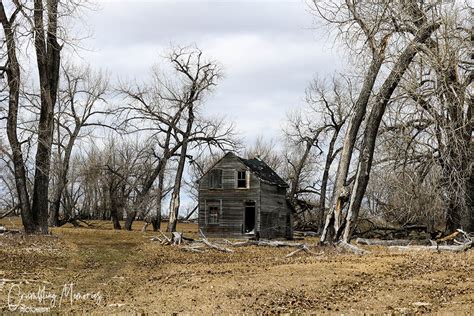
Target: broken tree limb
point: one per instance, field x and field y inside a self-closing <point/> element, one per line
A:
<point x="213" y="246"/>
<point x="454" y="248"/>
<point x="306" y="233"/>
<point x="390" y="242"/>
<point x="304" y="248"/>
<point x="269" y="243"/>
<point x="351" y="248"/>
<point x="166" y="240"/>
<point x="177" y="238"/>
<point x="461" y="246"/>
<point x="156" y="238"/>
<point x="10" y="211"/>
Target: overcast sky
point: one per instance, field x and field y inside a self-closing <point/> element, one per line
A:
<point x="269" y="51"/>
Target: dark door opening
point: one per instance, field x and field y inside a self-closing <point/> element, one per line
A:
<point x="249" y="226"/>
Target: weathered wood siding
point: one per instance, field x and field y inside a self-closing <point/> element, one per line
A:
<point x="231" y="219"/>
<point x="276" y="217"/>
<point x="272" y="215"/>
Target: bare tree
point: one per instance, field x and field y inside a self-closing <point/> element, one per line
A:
<point x="312" y="133"/>
<point x="80" y="105"/>
<point x="384" y="27"/>
<point x="12" y="70"/>
<point x="199" y="76"/>
<point x="166" y="109"/>
<point x="40" y="24"/>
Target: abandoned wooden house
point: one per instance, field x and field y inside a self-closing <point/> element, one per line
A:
<point x="244" y="197"/>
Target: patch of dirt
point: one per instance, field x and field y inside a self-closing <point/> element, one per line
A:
<point x="114" y="272"/>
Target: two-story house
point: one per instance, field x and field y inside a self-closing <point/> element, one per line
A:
<point x="243" y="197"/>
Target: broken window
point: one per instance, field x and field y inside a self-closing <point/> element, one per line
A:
<point x="215" y="179"/>
<point x="242" y="179"/>
<point x="214" y="210"/>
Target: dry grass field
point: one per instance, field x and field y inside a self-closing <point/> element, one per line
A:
<point x="98" y="270"/>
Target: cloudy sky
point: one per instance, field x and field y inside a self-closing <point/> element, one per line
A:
<point x="269" y="50"/>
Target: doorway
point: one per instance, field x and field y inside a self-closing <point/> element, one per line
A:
<point x="249" y="221"/>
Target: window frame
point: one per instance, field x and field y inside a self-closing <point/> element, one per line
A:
<point x="247" y="179"/>
<point x="213" y="204"/>
<point x="210" y="177"/>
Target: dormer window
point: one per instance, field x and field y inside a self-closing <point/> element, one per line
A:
<point x="215" y="179"/>
<point x="242" y="179"/>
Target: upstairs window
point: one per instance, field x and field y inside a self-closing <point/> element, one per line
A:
<point x="242" y="181"/>
<point x="215" y="179"/>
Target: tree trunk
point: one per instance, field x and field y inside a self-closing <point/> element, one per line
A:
<point x="175" y="196"/>
<point x="333" y="219"/>
<point x="14" y="81"/>
<point x="131" y="216"/>
<point x="373" y="123"/>
<point x="115" y="205"/>
<point x="48" y="60"/>
<point x="156" y="221"/>
<point x="324" y="183"/>
<point x="62" y="179"/>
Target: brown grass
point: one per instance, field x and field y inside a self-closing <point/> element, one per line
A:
<point x="135" y="276"/>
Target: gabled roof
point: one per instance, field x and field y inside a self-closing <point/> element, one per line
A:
<point x="259" y="168"/>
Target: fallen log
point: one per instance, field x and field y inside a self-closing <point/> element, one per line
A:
<point x="268" y="243"/>
<point x="390" y="242"/>
<point x="306" y="233"/>
<point x="351" y="248"/>
<point x="454" y="248"/>
<point x="213" y="246"/>
<point x="461" y="246"/>
<point x="304" y="248"/>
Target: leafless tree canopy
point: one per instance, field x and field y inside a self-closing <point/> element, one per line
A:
<point x="387" y="141"/>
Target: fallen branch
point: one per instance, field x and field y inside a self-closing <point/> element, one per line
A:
<point x="304" y="248"/>
<point x="13" y="209"/>
<point x="460" y="247"/>
<point x="306" y="233"/>
<point x="166" y="240"/>
<point x="156" y="238"/>
<point x="392" y="242"/>
<point x="268" y="243"/>
<point x="351" y="248"/>
<point x="454" y="248"/>
<point x="213" y="246"/>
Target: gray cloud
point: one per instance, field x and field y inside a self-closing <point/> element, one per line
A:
<point x="267" y="48"/>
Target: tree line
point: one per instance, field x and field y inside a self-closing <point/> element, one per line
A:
<point x="389" y="139"/>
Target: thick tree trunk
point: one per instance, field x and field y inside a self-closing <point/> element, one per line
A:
<point x="156" y="221"/>
<point x="14" y="81"/>
<point x="175" y="196"/>
<point x="131" y="216"/>
<point x="373" y="123"/>
<point x="48" y="60"/>
<point x="333" y="219"/>
<point x="114" y="209"/>
<point x="324" y="182"/>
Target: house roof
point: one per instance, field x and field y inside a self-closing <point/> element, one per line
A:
<point x="258" y="167"/>
<point x="263" y="171"/>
